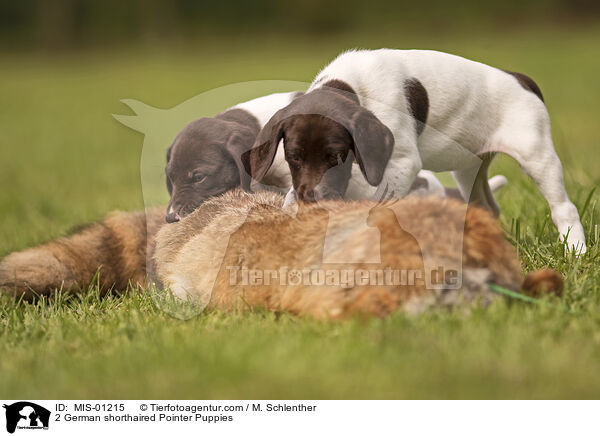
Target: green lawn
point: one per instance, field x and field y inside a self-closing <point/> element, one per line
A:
<point x="66" y="161"/>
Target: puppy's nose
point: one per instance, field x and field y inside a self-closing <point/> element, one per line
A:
<point x="172" y="217"/>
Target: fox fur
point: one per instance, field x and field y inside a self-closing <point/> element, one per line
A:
<point x="196" y="257"/>
<point x="114" y="250"/>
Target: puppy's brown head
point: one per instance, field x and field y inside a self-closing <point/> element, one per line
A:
<point x="204" y="161"/>
<point x="323" y="132"/>
<point x="319" y="152"/>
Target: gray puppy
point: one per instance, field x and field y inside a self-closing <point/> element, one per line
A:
<point x="204" y="159"/>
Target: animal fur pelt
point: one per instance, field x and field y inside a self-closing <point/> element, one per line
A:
<point x="213" y="255"/>
<point x="113" y="250"/>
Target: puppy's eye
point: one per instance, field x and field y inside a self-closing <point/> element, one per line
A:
<point x="294" y="160"/>
<point x="198" y="178"/>
<point x="335" y="159"/>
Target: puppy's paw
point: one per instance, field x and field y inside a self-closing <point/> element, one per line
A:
<point x="497" y="182"/>
<point x="291" y="198"/>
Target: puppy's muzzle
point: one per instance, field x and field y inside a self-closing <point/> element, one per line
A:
<point x="172" y="216"/>
<point x="308" y="195"/>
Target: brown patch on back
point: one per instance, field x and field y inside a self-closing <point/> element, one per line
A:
<point x="418" y="102"/>
<point x="527" y="83"/>
<point x="340" y="85"/>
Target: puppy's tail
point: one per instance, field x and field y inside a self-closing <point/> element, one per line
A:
<point x="543" y="281"/>
<point x="497" y="182"/>
<point x="115" y="248"/>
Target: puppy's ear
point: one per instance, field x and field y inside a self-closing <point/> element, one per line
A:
<point x="373" y="144"/>
<point x="169" y="185"/>
<point x="169" y="151"/>
<point x="239" y="143"/>
<point x="259" y="159"/>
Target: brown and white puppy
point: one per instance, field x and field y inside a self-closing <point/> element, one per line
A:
<point x="204" y="159"/>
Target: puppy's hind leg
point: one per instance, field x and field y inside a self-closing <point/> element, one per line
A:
<point x="484" y="182"/>
<point x="535" y="153"/>
<point x="474" y="186"/>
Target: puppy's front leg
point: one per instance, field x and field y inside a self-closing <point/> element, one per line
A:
<point x="290" y="198"/>
<point x="405" y="162"/>
<point x="399" y="177"/>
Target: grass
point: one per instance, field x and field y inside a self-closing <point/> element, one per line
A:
<point x="66" y="161"/>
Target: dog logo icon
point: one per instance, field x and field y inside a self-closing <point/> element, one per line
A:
<point x="26" y="415"/>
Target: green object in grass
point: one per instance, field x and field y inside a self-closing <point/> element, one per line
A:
<point x="522" y="297"/>
<point x="512" y="294"/>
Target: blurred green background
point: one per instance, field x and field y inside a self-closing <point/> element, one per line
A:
<point x="79" y="23"/>
<point x="66" y="64"/>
